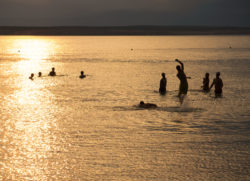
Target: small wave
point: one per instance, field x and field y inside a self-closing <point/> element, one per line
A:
<point x="180" y="109"/>
<point x="167" y="109"/>
<point x="89" y="100"/>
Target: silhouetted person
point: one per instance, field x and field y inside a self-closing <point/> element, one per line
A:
<point x="183" y="88"/>
<point x="163" y="84"/>
<point x="218" y="84"/>
<point x="52" y="73"/>
<point x="147" y="105"/>
<point x="82" y="75"/>
<point x="39" y="74"/>
<point x="205" y="86"/>
<point x="31" y="76"/>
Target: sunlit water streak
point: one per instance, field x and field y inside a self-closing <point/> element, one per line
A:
<point x="65" y="128"/>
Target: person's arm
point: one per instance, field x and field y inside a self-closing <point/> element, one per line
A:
<point x="182" y="65"/>
<point x="212" y="85"/>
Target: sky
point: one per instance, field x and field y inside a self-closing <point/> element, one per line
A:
<point x="124" y="12"/>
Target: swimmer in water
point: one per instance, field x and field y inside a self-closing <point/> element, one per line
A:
<point x="39" y="74"/>
<point x="163" y="84"/>
<point x="146" y="105"/>
<point x="183" y="88"/>
<point x="52" y="73"/>
<point x="82" y="75"/>
<point x="218" y="84"/>
<point x="31" y="76"/>
<point x="205" y="86"/>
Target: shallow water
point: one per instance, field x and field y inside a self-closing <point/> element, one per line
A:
<point x="66" y="128"/>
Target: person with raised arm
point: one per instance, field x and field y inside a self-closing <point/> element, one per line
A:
<point x="183" y="88"/>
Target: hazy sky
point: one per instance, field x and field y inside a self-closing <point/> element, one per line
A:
<point x="124" y="12"/>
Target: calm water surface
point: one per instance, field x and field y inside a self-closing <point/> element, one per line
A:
<point x="66" y="128"/>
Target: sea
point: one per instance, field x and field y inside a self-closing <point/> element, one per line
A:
<point x="67" y="128"/>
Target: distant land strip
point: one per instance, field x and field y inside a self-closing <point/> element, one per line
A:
<point x="123" y="30"/>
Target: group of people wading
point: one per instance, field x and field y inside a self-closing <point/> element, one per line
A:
<point x="183" y="88"/>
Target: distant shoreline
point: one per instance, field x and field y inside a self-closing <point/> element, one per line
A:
<point x="122" y="30"/>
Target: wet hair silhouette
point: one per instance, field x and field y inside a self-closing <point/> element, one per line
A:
<point x="39" y="74"/>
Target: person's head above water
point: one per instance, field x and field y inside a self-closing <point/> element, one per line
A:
<point x="178" y="67"/>
<point x="141" y="103"/>
<point x="31" y="76"/>
<point x="207" y="75"/>
<point x="39" y="74"/>
<point x="217" y="74"/>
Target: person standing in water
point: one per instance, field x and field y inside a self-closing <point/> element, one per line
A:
<point x="52" y="73"/>
<point x="183" y="88"/>
<point x="163" y="84"/>
<point x="205" y="86"/>
<point x="218" y="84"/>
<point x="82" y="75"/>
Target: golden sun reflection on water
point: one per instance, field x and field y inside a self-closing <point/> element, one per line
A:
<point x="33" y="53"/>
<point x="33" y="48"/>
<point x="30" y="130"/>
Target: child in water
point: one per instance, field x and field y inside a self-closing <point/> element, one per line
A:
<point x="205" y="86"/>
<point x="163" y="84"/>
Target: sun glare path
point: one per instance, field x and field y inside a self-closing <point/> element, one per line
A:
<point x="33" y="101"/>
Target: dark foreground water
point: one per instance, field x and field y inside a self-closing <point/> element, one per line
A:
<point x="65" y="128"/>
